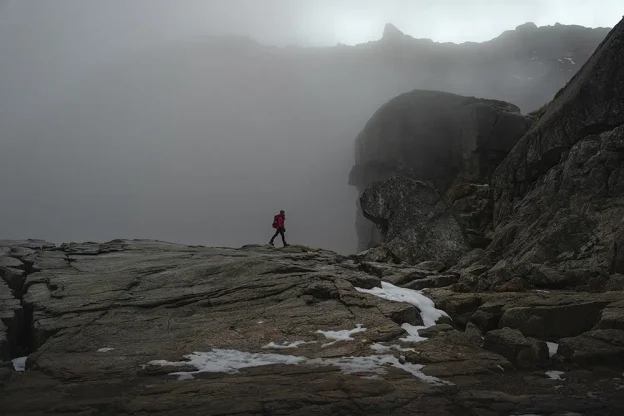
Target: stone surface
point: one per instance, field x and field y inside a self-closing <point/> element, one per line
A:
<point x="97" y="315"/>
<point x="599" y="347"/>
<point x="559" y="193"/>
<point x="520" y="351"/>
<point x="415" y="222"/>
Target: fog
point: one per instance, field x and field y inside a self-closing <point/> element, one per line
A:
<point x="137" y="119"/>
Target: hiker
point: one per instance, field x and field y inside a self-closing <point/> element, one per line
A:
<point x="278" y="224"/>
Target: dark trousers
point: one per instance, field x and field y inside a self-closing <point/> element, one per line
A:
<point x="281" y="232"/>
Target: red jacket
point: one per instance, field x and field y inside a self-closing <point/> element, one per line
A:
<point x="280" y="220"/>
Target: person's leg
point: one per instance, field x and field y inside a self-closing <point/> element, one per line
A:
<point x="281" y="231"/>
<point x="274" y="235"/>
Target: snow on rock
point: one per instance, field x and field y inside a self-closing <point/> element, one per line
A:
<point x="412" y="333"/>
<point x="571" y="61"/>
<point x="343" y="335"/>
<point x="19" y="364"/>
<point x="555" y="375"/>
<point x="105" y="349"/>
<point x="226" y="361"/>
<point x="231" y="361"/>
<point x="286" y="345"/>
<point x="380" y="348"/>
<point x="552" y="348"/>
<point x="428" y="312"/>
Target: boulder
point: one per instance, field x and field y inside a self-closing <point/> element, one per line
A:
<point x="435" y="330"/>
<point x="553" y="322"/>
<point x="558" y="194"/>
<point x="612" y="317"/>
<point x="600" y="347"/>
<point x="520" y="351"/>
<point x="441" y="138"/>
<point x="415" y="221"/>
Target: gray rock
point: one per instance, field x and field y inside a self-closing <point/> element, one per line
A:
<point x="553" y="322"/>
<point x="615" y="282"/>
<point x="14" y="278"/>
<point x="11" y="318"/>
<point x="375" y="254"/>
<point x="435" y="266"/>
<point x="599" y="347"/>
<point x="433" y="281"/>
<point x="98" y="324"/>
<point x="414" y="220"/>
<point x="558" y="195"/>
<point x="612" y="317"/>
<point x="435" y="136"/>
<point x="435" y="330"/>
<point x="520" y="351"/>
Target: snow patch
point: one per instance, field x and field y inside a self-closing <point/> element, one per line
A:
<point x="412" y="333"/>
<point x="552" y="348"/>
<point x="231" y="361"/>
<point x="19" y="364"/>
<point x="571" y="61"/>
<point x="286" y="345"/>
<point x="429" y="313"/>
<point x="343" y="335"/>
<point x="226" y="361"/>
<point x="105" y="349"/>
<point x="555" y="375"/>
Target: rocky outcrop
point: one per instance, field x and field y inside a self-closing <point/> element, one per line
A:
<point x="558" y="196"/>
<point x="446" y="139"/>
<point x="138" y="327"/>
<point x="520" y="351"/>
<point x="414" y="220"/>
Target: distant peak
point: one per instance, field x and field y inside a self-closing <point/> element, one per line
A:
<point x="391" y="31"/>
<point x="527" y="26"/>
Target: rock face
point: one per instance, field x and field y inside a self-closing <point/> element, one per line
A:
<point x="442" y="138"/>
<point x="414" y="220"/>
<point x="558" y="196"/>
<point x="520" y="351"/>
<point x="145" y="327"/>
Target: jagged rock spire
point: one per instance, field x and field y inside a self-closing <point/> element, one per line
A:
<point x="391" y="31"/>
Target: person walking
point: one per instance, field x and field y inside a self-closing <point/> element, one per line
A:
<point x="278" y="224"/>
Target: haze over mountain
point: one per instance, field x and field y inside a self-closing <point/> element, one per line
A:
<point x="115" y="124"/>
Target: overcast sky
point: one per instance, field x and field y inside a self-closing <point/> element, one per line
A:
<point x="306" y="22"/>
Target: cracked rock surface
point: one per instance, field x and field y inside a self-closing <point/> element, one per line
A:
<point x="104" y="325"/>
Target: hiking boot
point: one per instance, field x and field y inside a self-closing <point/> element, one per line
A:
<point x="271" y="243"/>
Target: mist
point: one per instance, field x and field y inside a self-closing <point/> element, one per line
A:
<point x="196" y="121"/>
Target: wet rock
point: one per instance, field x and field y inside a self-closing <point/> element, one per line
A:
<point x="416" y="224"/>
<point x="520" y="351"/>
